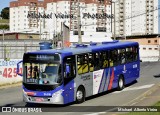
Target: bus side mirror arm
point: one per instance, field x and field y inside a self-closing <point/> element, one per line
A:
<point x="17" y="71"/>
<point x="66" y="75"/>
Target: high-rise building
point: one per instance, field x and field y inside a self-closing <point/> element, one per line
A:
<point x="47" y="16"/>
<point x="19" y="11"/>
<point x="137" y="17"/>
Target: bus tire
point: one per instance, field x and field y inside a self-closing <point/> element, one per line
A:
<point x="120" y="83"/>
<point x="80" y="95"/>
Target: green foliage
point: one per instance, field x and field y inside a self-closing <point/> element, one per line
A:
<point x="4" y="26"/>
<point x="157" y="104"/>
<point x="5" y="13"/>
<point x="4" y="21"/>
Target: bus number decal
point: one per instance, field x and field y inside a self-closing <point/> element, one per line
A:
<point x="135" y="66"/>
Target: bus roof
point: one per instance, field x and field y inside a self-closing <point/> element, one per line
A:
<point x="80" y="50"/>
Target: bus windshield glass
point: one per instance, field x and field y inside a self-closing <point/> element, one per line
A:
<point x="41" y="70"/>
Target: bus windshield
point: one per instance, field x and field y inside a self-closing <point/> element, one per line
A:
<point x="42" y="73"/>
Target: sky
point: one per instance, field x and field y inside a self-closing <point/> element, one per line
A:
<point x="5" y="3"/>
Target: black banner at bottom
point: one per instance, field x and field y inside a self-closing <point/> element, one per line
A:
<point x="82" y="109"/>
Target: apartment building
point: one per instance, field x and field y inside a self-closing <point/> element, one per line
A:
<point x="19" y="11"/>
<point x="58" y="12"/>
<point x="137" y="17"/>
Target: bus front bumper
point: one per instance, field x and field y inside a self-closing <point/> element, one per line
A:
<point x="58" y="99"/>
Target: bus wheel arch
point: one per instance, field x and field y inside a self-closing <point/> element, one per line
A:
<point x="80" y="94"/>
<point x="121" y="82"/>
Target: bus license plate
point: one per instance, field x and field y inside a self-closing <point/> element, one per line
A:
<point x="39" y="99"/>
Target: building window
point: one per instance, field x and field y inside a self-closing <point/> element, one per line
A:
<point x="155" y="48"/>
<point x="149" y="41"/>
<point x="144" y="48"/>
<point x="155" y="41"/>
<point x="150" y="48"/>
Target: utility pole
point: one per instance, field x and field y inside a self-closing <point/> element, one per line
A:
<point x="3" y="34"/>
<point x="114" y="21"/>
<point x="3" y="46"/>
<point x="40" y="29"/>
<point x="158" y="48"/>
<point x="79" y="24"/>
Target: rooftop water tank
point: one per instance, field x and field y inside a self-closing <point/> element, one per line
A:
<point x="45" y="45"/>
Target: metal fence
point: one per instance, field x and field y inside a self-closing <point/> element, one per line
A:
<point x="14" y="49"/>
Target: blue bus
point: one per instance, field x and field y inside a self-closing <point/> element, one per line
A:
<point x="61" y="76"/>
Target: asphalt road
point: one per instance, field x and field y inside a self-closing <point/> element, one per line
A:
<point x="13" y="96"/>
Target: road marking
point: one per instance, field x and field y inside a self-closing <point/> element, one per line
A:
<point x="153" y="97"/>
<point x="126" y="89"/>
<point x="95" y="113"/>
<point x="135" y="88"/>
<point x="133" y="103"/>
<point x="104" y="112"/>
<point x="142" y="98"/>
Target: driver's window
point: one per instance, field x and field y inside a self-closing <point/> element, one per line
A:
<point x="69" y="67"/>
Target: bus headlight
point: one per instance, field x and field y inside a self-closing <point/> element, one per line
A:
<point x="57" y="97"/>
<point x="24" y="92"/>
<point x="58" y="93"/>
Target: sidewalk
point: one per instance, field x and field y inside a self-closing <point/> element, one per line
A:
<point x="10" y="85"/>
<point x="149" y="98"/>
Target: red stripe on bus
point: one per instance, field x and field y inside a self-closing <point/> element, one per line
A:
<point x="111" y="80"/>
<point x="30" y="93"/>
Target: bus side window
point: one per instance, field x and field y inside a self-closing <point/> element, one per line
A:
<point x="135" y="53"/>
<point x="129" y="55"/>
<point x="91" y="62"/>
<point x="69" y="67"/>
<point x="79" y="64"/>
<point x="104" y="59"/>
<point x="121" y="56"/>
<point x="85" y="65"/>
<point x="113" y="58"/>
<point x="82" y="61"/>
<point x="96" y="61"/>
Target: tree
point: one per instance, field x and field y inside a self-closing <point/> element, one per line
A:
<point x="5" y="13"/>
<point x="4" y="27"/>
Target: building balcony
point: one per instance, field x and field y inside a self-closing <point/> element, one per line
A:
<point x="101" y="6"/>
<point x="121" y="11"/>
<point x="149" y="28"/>
<point x="121" y="15"/>
<point x="121" y="6"/>
<point x="121" y="24"/>
<point x="121" y="1"/>
<point x="147" y="8"/>
<point x="121" y="28"/>
<point x="121" y="32"/>
<point x="121" y="19"/>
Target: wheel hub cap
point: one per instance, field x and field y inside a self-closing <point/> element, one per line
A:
<point x="79" y="94"/>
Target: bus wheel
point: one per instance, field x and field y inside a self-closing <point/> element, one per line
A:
<point x="80" y="95"/>
<point x="121" y="83"/>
